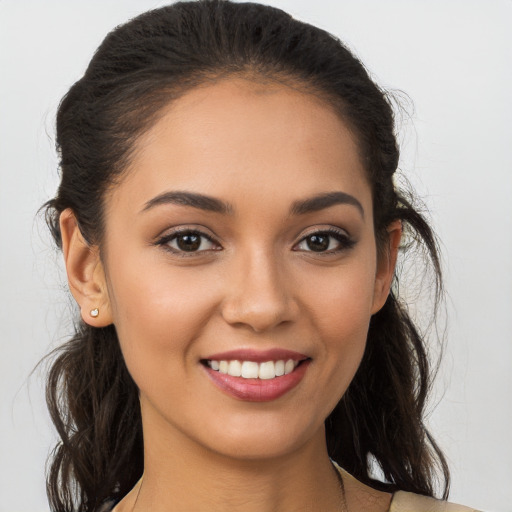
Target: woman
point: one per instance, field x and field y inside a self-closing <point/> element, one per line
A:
<point x="230" y="230"/>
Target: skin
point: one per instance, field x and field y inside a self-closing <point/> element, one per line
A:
<point x="258" y="148"/>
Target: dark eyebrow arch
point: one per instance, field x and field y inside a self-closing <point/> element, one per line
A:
<point x="192" y="199"/>
<point x="326" y="200"/>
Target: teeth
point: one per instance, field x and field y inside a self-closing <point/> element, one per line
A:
<point x="249" y="370"/>
<point x="289" y="367"/>
<point x="252" y="370"/>
<point x="223" y="367"/>
<point x="267" y="370"/>
<point x="235" y="368"/>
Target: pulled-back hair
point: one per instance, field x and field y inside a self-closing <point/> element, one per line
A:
<point x="139" y="68"/>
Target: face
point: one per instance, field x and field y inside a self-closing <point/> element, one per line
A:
<point x="241" y="240"/>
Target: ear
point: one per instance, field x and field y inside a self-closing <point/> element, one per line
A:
<point x="86" y="276"/>
<point x="386" y="266"/>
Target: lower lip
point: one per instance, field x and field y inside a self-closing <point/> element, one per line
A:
<point x="258" y="390"/>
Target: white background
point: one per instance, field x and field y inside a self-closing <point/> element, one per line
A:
<point x="453" y="58"/>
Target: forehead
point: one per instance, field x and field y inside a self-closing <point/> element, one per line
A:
<point x="236" y="136"/>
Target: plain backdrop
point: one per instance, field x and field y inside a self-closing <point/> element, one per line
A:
<point x="453" y="60"/>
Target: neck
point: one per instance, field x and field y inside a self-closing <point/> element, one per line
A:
<point x="186" y="477"/>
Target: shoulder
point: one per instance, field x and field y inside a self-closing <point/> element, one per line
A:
<point x="409" y="502"/>
<point x="402" y="501"/>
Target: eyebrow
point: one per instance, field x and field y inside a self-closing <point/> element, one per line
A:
<point x="192" y="199"/>
<point x="321" y="201"/>
<point x="212" y="204"/>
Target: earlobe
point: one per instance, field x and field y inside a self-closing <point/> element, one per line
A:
<point x="386" y="266"/>
<point x="86" y="276"/>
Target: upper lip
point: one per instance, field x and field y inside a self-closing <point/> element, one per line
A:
<point x="257" y="356"/>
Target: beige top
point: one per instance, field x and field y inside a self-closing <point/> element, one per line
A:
<point x="409" y="502"/>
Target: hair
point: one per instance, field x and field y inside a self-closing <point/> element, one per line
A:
<point x="139" y="68"/>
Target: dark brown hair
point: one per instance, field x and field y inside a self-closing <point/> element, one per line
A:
<point x="140" y="67"/>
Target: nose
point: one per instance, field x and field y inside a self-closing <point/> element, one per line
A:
<point x="259" y="293"/>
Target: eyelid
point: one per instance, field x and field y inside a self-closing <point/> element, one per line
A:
<point x="324" y="229"/>
<point x="180" y="228"/>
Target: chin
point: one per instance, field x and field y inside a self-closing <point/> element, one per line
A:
<point x="259" y="440"/>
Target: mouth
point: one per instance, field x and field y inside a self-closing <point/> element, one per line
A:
<point x="256" y="376"/>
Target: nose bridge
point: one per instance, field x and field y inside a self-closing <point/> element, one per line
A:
<point x="260" y="292"/>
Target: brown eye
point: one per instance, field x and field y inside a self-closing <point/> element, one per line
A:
<point x="188" y="242"/>
<point x="318" y="243"/>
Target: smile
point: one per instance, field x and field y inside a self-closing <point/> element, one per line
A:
<point x="253" y="370"/>
<point x="256" y="376"/>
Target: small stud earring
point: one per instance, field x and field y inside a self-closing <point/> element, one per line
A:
<point x="95" y="312"/>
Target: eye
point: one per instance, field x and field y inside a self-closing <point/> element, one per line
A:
<point x="188" y="241"/>
<point x="328" y="241"/>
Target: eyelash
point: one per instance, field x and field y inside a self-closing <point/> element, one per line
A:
<point x="344" y="240"/>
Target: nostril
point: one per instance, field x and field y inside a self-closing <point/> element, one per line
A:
<point x="258" y="315"/>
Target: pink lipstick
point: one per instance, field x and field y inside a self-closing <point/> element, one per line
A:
<point x="255" y="375"/>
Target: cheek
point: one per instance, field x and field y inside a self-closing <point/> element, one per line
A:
<point x="158" y="314"/>
<point x="344" y="323"/>
<point x="340" y="314"/>
<point x="343" y="298"/>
